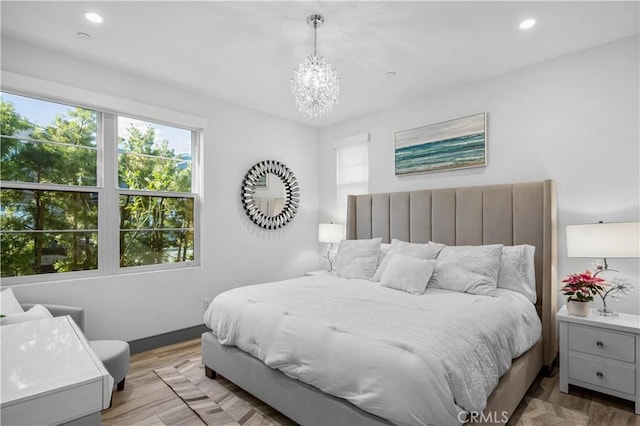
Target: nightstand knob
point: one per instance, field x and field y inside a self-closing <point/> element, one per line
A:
<point x="600" y="375"/>
<point x="600" y="344"/>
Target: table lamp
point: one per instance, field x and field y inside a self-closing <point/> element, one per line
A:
<point x="604" y="240"/>
<point x="330" y="233"/>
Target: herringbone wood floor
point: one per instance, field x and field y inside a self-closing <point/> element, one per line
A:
<point x="147" y="400"/>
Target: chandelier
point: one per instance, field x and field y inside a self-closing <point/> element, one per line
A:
<point x="315" y="83"/>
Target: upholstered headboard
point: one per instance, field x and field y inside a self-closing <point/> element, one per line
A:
<point x="519" y="213"/>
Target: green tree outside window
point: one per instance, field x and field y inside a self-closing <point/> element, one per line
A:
<point x="46" y="230"/>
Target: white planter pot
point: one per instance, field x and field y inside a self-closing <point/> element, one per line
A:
<point x="580" y="309"/>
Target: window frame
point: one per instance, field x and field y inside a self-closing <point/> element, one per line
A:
<point x="107" y="109"/>
<point x="114" y="246"/>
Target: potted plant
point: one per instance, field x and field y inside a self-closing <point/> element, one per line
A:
<point x="580" y="289"/>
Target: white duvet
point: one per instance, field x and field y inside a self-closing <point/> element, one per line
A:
<point x="409" y="359"/>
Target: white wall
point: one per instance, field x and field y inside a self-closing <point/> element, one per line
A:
<point x="574" y="119"/>
<point x="235" y="251"/>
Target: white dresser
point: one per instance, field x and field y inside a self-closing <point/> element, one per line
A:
<point x="50" y="375"/>
<point x="601" y="353"/>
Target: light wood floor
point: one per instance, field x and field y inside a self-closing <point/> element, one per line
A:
<point x="147" y="400"/>
<point x="600" y="409"/>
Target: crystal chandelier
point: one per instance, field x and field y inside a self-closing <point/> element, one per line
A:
<point x="315" y="83"/>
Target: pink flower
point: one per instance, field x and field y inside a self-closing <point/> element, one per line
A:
<point x="582" y="287"/>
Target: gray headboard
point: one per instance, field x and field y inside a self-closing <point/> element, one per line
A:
<point x="510" y="214"/>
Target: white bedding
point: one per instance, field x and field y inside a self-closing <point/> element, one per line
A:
<point x="406" y="358"/>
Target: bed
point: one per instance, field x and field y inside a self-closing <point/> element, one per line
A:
<point x="512" y="214"/>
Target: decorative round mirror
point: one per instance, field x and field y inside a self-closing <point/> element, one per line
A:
<point x="270" y="194"/>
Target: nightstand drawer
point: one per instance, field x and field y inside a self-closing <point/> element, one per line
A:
<point x="603" y="343"/>
<point x="602" y="374"/>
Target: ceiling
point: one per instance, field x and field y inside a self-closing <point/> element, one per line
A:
<point x="245" y="52"/>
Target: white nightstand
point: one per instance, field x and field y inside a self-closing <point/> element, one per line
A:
<point x="320" y="272"/>
<point x="601" y="353"/>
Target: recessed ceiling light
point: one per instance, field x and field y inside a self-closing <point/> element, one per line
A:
<point x="527" y="23"/>
<point x="93" y="17"/>
<point x="391" y="74"/>
<point x="84" y="36"/>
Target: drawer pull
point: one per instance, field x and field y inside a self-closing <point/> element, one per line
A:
<point x="600" y="375"/>
<point x="599" y="344"/>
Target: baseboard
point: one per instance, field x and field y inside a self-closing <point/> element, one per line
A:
<point x="164" y="339"/>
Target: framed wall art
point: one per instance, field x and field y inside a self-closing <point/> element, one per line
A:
<point x="449" y="145"/>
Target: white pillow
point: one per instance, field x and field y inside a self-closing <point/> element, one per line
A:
<point x="8" y="303"/>
<point x="35" y="313"/>
<point x="468" y="269"/>
<point x="523" y="258"/>
<point x="357" y="258"/>
<point x="384" y="249"/>
<point x="517" y="270"/>
<point x="427" y="251"/>
<point x="407" y="273"/>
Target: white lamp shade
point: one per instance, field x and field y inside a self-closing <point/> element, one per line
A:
<point x="330" y="232"/>
<point x="604" y="240"/>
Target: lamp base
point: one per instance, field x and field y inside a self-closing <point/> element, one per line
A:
<point x="607" y="312"/>
<point x="329" y="257"/>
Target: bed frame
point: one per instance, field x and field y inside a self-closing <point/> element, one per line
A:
<point x="520" y="213"/>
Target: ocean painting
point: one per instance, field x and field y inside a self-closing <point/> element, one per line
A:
<point x="452" y="144"/>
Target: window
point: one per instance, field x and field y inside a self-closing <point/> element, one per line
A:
<point x="49" y="204"/>
<point x="62" y="170"/>
<point x="156" y="226"/>
<point x="352" y="169"/>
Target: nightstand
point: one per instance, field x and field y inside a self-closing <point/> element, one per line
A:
<point x="601" y="353"/>
<point x="320" y="272"/>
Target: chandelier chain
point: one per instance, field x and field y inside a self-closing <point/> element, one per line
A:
<point x="315" y="38"/>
